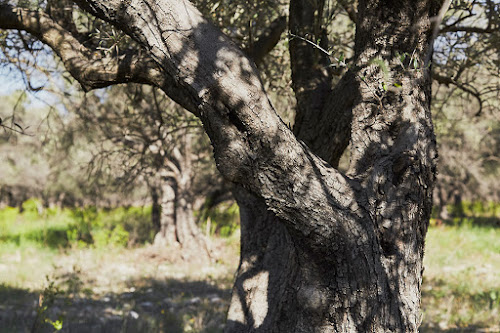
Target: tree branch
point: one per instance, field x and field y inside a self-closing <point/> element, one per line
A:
<point x="487" y="30"/>
<point x="350" y="10"/>
<point x="448" y="80"/>
<point x="267" y="40"/>
<point x="88" y="66"/>
<point x="252" y="146"/>
<point x="323" y="115"/>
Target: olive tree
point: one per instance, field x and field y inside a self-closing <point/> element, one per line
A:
<point x="145" y="138"/>
<point x="321" y="250"/>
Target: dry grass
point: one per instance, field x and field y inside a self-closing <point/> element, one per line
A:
<point x="461" y="288"/>
<point x="150" y="290"/>
<point x="114" y="290"/>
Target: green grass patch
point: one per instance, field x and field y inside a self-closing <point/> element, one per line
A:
<point x="469" y="213"/>
<point x="462" y="276"/>
<point x="461" y="287"/>
<point x="78" y="227"/>
<point x="222" y="220"/>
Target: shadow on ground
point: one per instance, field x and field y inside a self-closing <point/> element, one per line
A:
<point x="471" y="329"/>
<point x="154" y="306"/>
<point x="148" y="305"/>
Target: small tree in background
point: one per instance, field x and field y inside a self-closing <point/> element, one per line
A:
<point x="139" y="142"/>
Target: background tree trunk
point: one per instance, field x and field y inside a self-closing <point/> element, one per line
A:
<point x="155" y="208"/>
<point x="167" y="234"/>
<point x="178" y="224"/>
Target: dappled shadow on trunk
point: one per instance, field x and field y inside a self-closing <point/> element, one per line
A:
<point x="346" y="253"/>
<point x="267" y="268"/>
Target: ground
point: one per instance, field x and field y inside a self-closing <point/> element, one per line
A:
<point x="117" y="290"/>
<point x="147" y="289"/>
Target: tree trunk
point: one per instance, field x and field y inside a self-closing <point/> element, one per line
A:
<point x="167" y="233"/>
<point x="177" y="219"/>
<point x="261" y="300"/>
<point x="284" y="286"/>
<point x="188" y="233"/>
<point x="155" y="208"/>
<point x="177" y="222"/>
<point x="322" y="251"/>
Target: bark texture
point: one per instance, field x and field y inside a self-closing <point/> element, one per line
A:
<point x="321" y="251"/>
<point x="394" y="160"/>
<point x="174" y="197"/>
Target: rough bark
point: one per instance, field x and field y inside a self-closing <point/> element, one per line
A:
<point x="325" y="127"/>
<point x="397" y="264"/>
<point x="332" y="252"/>
<point x="177" y="222"/>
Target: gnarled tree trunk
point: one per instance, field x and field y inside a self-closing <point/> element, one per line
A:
<point x="322" y="251"/>
<point x="283" y="286"/>
<point x="175" y="218"/>
<point x="166" y="234"/>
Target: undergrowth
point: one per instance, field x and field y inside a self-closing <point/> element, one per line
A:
<point x="74" y="227"/>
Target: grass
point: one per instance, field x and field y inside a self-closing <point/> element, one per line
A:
<point x="97" y="271"/>
<point x="461" y="285"/>
<point x="78" y="227"/>
<point x="106" y="277"/>
<point x="140" y="289"/>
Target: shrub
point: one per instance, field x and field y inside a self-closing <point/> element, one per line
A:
<point x="223" y="220"/>
<point x="77" y="227"/>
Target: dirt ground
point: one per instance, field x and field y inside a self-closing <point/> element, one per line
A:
<point x="134" y="290"/>
<point x="152" y="289"/>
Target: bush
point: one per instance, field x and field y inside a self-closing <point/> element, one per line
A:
<point x="8" y="216"/>
<point x="77" y="227"/>
<point x="474" y="213"/>
<point x="222" y="220"/>
<point x="136" y="221"/>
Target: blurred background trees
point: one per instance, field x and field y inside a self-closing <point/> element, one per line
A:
<point x="466" y="104"/>
<point x="143" y="137"/>
<point x="130" y="144"/>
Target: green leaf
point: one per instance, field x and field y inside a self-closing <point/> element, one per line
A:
<point x="58" y="324"/>
<point x="403" y="56"/>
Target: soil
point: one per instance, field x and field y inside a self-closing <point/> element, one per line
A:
<point x="125" y="290"/>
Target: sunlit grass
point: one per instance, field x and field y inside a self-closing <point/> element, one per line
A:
<point x="461" y="280"/>
<point x="77" y="227"/>
<point x="462" y="277"/>
<point x="138" y="289"/>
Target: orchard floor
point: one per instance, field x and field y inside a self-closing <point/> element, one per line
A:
<point x="151" y="290"/>
<point x="115" y="290"/>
